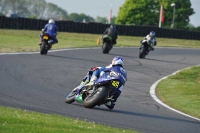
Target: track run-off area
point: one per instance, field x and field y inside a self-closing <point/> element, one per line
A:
<point x="41" y="82"/>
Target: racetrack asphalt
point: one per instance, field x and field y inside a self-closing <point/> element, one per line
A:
<point x="41" y="83"/>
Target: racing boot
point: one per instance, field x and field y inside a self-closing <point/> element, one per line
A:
<point x="40" y="42"/>
<point x="92" y="80"/>
<point x="110" y="105"/>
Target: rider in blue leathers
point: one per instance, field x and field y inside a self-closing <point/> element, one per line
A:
<point x="51" y="29"/>
<point x="116" y="66"/>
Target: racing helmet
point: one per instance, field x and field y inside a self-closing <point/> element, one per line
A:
<point x="118" y="60"/>
<point x="152" y="33"/>
<point x="51" y="21"/>
<point x="112" y="26"/>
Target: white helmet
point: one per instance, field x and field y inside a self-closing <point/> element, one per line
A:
<point x="118" y="60"/>
<point x="51" y="21"/>
<point x="152" y="33"/>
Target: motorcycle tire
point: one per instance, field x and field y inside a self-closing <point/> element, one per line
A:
<point x="95" y="97"/>
<point x="43" y="47"/>
<point x="70" y="98"/>
<point x="142" y="52"/>
<point x="105" y="48"/>
<point x="46" y="51"/>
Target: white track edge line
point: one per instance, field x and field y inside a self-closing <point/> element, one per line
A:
<point x="56" y="50"/>
<point x="153" y="94"/>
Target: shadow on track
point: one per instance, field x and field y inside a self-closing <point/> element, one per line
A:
<point x="72" y="58"/>
<point x="176" y="62"/>
<point x="150" y="59"/>
<point x="125" y="56"/>
<point x="148" y="115"/>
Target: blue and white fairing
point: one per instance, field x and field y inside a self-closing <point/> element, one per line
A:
<point x="116" y="75"/>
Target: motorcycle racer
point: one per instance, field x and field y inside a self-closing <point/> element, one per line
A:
<point x="51" y="29"/>
<point x="112" y="32"/>
<point x="96" y="72"/>
<point x="150" y="39"/>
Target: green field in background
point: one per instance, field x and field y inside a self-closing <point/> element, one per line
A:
<point x="27" y="40"/>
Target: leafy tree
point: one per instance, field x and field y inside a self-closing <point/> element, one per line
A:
<point x="113" y="19"/>
<point x="146" y="12"/>
<point x="80" y="17"/>
<point x="198" y="28"/>
<point x="63" y="14"/>
<point x="101" y="19"/>
<point x="191" y="27"/>
<point x="74" y="17"/>
<point x="37" y="8"/>
<point x="3" y="6"/>
<point x="86" y="17"/>
<point x="104" y="19"/>
<point x="137" y="12"/>
<point x="32" y="9"/>
<point x="55" y="12"/>
<point x="183" y="11"/>
<point x="20" y="7"/>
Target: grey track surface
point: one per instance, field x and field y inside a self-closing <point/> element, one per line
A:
<point x="41" y="83"/>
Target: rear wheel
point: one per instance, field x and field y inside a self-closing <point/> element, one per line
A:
<point x="43" y="47"/>
<point x="46" y="51"/>
<point x="105" y="48"/>
<point x="96" y="97"/>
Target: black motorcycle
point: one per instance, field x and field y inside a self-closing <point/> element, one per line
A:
<point x="145" y="48"/>
<point x="107" y="44"/>
<point x="46" y="44"/>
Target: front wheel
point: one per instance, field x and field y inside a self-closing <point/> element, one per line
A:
<point x="142" y="52"/>
<point x="70" y="98"/>
<point x="96" y="97"/>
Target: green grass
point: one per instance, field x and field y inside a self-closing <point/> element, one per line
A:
<point x="182" y="91"/>
<point x="26" y="40"/>
<point x="23" y="121"/>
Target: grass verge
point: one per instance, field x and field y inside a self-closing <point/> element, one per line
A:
<point x="182" y="91"/>
<point x="23" y="121"/>
<point x="26" y="40"/>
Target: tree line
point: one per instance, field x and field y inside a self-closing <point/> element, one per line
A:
<point x="40" y="9"/>
<point x="32" y="9"/>
<point x="132" y="12"/>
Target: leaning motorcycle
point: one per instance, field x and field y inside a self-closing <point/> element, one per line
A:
<point x="100" y="93"/>
<point x="145" y="48"/>
<point x="46" y="42"/>
<point x="107" y="44"/>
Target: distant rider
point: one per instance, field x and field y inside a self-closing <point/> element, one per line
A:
<point x="117" y="65"/>
<point x="51" y="29"/>
<point x="112" y="32"/>
<point x="151" y="40"/>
